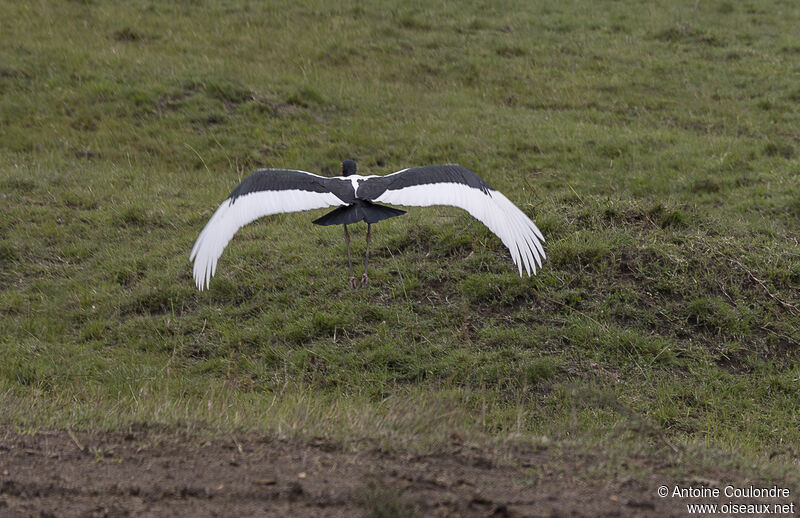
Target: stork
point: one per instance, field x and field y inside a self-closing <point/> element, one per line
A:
<point x="272" y="191"/>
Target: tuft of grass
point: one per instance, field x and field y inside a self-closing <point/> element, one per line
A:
<point x="128" y="34"/>
<point x="672" y="217"/>
<point x="8" y="252"/>
<point x="305" y="96"/>
<point x="688" y="33"/>
<point x="227" y="90"/>
<point x="510" y="51"/>
<point x="779" y="149"/>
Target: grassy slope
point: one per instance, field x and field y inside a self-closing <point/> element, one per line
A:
<point x="656" y="147"/>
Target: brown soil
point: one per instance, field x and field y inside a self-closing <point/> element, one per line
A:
<point x="146" y="473"/>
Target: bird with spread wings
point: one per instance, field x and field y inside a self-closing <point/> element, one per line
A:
<point x="358" y="198"/>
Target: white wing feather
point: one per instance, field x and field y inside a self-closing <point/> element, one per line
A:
<point x="230" y="217"/>
<point x="520" y="235"/>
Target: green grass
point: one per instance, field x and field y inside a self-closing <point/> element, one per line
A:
<point x="655" y="145"/>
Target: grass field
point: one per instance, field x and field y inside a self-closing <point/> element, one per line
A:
<point x="655" y="145"/>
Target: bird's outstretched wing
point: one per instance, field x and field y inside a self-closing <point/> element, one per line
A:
<point x="455" y="185"/>
<point x="265" y="192"/>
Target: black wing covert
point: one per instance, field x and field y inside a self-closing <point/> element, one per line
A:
<point x="373" y="187"/>
<point x="287" y="179"/>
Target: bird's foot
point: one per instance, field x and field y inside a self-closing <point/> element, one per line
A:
<point x="353" y="283"/>
<point x="364" y="280"/>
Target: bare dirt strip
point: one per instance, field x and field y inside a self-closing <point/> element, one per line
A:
<point x="149" y="473"/>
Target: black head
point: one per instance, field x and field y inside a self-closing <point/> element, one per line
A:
<point x="348" y="167"/>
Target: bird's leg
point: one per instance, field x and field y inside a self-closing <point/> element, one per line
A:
<point x="349" y="261"/>
<point x="365" y="277"/>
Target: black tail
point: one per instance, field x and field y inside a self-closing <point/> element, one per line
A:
<point x="361" y="210"/>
